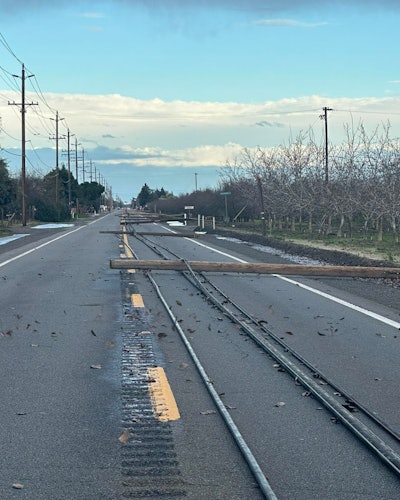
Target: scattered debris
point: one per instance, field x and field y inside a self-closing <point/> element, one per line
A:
<point x="124" y="437"/>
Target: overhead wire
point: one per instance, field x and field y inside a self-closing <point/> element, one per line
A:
<point x="4" y="42"/>
<point x="10" y="80"/>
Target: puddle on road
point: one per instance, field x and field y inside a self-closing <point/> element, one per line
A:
<point x="8" y="239"/>
<point x="52" y="226"/>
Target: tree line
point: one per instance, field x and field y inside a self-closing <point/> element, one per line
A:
<point x="288" y="187"/>
<point x="54" y="197"/>
<point x="291" y="185"/>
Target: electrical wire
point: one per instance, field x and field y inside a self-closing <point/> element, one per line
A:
<point x="3" y="41"/>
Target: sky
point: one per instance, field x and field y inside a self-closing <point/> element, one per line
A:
<point x="166" y="92"/>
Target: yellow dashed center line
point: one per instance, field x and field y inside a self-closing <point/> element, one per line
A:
<point x="128" y="252"/>
<point x="164" y="404"/>
<point x="137" y="300"/>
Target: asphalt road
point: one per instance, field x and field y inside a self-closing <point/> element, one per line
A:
<point x="66" y="327"/>
<point x="304" y="454"/>
<point x="74" y="354"/>
<point x="59" y="417"/>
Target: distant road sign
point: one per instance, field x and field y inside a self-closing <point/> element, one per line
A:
<point x="226" y="192"/>
<point x="189" y="207"/>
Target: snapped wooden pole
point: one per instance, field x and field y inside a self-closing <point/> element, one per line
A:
<point x="149" y="233"/>
<point x="258" y="268"/>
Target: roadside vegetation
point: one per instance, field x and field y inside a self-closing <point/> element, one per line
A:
<point x="54" y="197"/>
<point x="292" y="192"/>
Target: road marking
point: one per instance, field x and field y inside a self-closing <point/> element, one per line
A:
<point x="218" y="251"/>
<point x="342" y="302"/>
<point x="2" y="264"/>
<point x="349" y="305"/>
<point x="162" y="397"/>
<point x="128" y="250"/>
<point x="137" y="300"/>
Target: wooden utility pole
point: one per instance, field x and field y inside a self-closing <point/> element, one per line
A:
<point x="83" y="164"/>
<point x="264" y="229"/>
<point x="325" y="118"/>
<point x="23" y="105"/>
<point x="69" y="171"/>
<point x="76" y="160"/>
<point x="258" y="268"/>
<point x="57" y="119"/>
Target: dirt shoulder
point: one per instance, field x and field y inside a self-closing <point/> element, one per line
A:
<point x="307" y="249"/>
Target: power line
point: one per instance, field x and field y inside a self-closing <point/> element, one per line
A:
<point x="3" y="41"/>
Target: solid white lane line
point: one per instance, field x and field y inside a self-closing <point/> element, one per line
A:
<point x="349" y="305"/>
<point x="217" y="251"/>
<point x="342" y="302"/>
<point x="2" y="264"/>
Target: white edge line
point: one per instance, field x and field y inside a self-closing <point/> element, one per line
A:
<point x="342" y="302"/>
<point x="2" y="264"/>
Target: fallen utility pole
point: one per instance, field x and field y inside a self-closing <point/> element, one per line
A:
<point x="149" y="233"/>
<point x="258" y="268"/>
<point x="147" y="221"/>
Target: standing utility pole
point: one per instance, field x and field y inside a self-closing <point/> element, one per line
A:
<point x="260" y="188"/>
<point x="23" y="105"/>
<point x="57" y="119"/>
<point x="83" y="165"/>
<point x="76" y="160"/>
<point x="69" y="170"/>
<point x="325" y="118"/>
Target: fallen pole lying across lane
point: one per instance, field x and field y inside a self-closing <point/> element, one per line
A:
<point x="258" y="268"/>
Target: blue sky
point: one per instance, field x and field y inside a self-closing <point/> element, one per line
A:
<point x="158" y="90"/>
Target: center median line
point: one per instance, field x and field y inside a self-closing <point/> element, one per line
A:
<point x="163" y="400"/>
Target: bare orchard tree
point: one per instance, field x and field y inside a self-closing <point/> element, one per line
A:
<point x="299" y="164"/>
<point x="242" y="175"/>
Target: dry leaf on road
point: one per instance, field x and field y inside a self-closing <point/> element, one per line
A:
<point x="124" y="437"/>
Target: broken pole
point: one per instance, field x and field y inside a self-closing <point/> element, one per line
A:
<point x="258" y="268"/>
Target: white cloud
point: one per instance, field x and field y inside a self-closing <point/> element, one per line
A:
<point x="201" y="156"/>
<point x="285" y="23"/>
<point x="183" y="133"/>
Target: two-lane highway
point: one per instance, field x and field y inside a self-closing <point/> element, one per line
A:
<point x="102" y="395"/>
<point x="303" y="449"/>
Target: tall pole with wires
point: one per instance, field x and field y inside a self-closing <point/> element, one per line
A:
<point x="57" y="137"/>
<point x="76" y="160"/>
<point x="325" y="118"/>
<point x="23" y="105"/>
<point x="69" y="169"/>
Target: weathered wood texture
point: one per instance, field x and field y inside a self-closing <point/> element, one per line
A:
<point x="259" y="268"/>
<point x="149" y="233"/>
